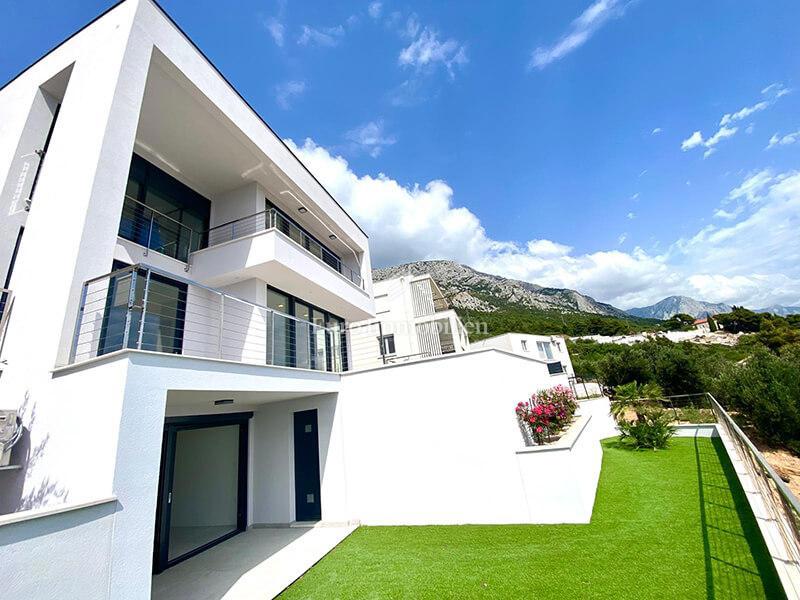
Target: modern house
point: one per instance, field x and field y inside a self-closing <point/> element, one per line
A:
<point x="413" y="320"/>
<point x="552" y="349"/>
<point x="177" y="290"/>
<point x="177" y="345"/>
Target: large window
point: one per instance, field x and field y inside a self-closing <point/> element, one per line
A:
<point x="545" y="350"/>
<point x="162" y="213"/>
<point x="162" y="330"/>
<point x="295" y="342"/>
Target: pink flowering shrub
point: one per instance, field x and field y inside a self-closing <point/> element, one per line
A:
<point x="547" y="413"/>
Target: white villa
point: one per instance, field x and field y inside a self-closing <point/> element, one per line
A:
<point x="549" y="348"/>
<point x="413" y="320"/>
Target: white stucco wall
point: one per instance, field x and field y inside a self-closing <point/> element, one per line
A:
<point x="436" y="442"/>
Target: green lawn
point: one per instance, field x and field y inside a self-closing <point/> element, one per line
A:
<point x="667" y="524"/>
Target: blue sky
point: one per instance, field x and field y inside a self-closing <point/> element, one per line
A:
<point x="548" y="141"/>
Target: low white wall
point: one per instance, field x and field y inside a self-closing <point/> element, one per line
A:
<point x="560" y="480"/>
<point x="66" y="554"/>
<point x="435" y="442"/>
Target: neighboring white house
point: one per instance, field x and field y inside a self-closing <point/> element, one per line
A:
<point x="176" y="341"/>
<point x="702" y="325"/>
<point x="549" y="348"/>
<point x="413" y="320"/>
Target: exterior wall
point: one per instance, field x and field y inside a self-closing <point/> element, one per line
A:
<point x="512" y="342"/>
<point x="405" y="308"/>
<point x="61" y="555"/>
<point x="436" y="441"/>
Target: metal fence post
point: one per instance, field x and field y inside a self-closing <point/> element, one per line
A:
<point x="144" y="310"/>
<point x="81" y="306"/>
<point x="221" y="321"/>
<point x="131" y="302"/>
<point x="149" y="233"/>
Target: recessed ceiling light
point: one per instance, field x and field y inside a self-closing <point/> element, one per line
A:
<point x="332" y="236"/>
<point x="302" y="209"/>
<point x="223" y="401"/>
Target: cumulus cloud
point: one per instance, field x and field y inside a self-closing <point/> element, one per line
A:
<point x="752" y="186"/>
<point x="753" y="259"/>
<point x="656" y="131"/>
<point x="579" y="32"/>
<point x="692" y="141"/>
<point x="287" y="91"/>
<point x="370" y="137"/>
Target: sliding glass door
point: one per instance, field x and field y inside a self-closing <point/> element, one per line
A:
<point x="203" y="487"/>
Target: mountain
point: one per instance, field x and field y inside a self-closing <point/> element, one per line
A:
<point x="467" y="288"/>
<point x="672" y="305"/>
<point x="781" y="311"/>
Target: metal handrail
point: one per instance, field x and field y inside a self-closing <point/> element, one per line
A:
<point x="784" y="490"/>
<point x="192" y="234"/>
<point x="266" y="220"/>
<point x="6" y="302"/>
<point x="94" y="307"/>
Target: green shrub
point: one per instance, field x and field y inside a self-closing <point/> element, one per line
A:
<point x="765" y="390"/>
<point x="651" y="429"/>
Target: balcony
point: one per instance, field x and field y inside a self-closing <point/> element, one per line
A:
<point x="157" y="231"/>
<point x="143" y="308"/>
<point x="275" y="219"/>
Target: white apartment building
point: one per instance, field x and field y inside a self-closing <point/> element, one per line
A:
<point x="551" y="349"/>
<point x="413" y="320"/>
<point x="174" y="343"/>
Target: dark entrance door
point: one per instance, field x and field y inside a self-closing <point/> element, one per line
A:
<point x="306" y="467"/>
<point x="202" y="497"/>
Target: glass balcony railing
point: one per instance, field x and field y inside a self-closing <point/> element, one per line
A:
<point x="158" y="232"/>
<point x="143" y="308"/>
<point x="275" y="219"/>
<point x="161" y="233"/>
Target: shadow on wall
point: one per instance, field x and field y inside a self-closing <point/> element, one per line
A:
<point x="733" y="569"/>
<point x="12" y="482"/>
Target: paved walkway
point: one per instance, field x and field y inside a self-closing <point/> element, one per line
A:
<point x="257" y="564"/>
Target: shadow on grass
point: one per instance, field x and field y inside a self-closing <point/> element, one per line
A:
<point x="738" y="564"/>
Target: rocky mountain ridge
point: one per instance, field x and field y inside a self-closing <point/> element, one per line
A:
<point x="467" y="288"/>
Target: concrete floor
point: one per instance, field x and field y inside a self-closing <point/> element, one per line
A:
<point x="257" y="564"/>
<point x="184" y="539"/>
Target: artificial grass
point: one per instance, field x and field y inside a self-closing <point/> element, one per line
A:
<point x="668" y="524"/>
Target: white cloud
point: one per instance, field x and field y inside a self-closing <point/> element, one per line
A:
<point x="427" y="50"/>
<point x="579" y="32"/>
<point x="656" y="131"/>
<point x="776" y="90"/>
<point x="783" y="140"/>
<point x="752" y="186"/>
<point x="326" y="36"/>
<point x="275" y="29"/>
<point x="286" y="92"/>
<point x="631" y="216"/>
<point x="621" y="239"/>
<point x="753" y="260"/>
<point x="743" y="113"/>
<point x="696" y="139"/>
<point x="693" y="140"/>
<point x="635" y="197"/>
<point x="374" y="9"/>
<point x="726" y="128"/>
<point x="370" y="137"/>
<point x="722" y="133"/>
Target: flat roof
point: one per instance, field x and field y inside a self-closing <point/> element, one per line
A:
<point x="213" y="66"/>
